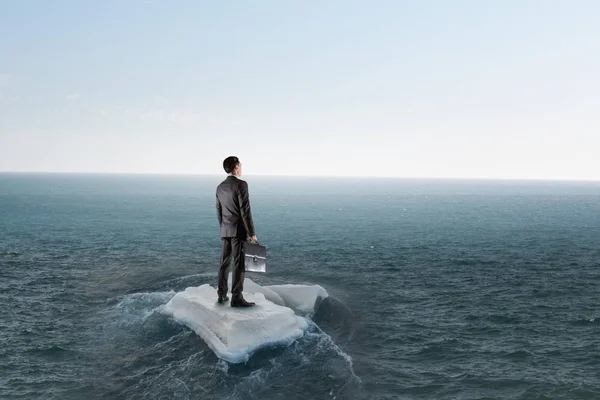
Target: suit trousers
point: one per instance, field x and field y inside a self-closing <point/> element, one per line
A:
<point x="232" y="247"/>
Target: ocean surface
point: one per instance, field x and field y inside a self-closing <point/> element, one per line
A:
<point x="438" y="289"/>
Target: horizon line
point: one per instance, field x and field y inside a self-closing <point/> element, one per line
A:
<point x="474" y="178"/>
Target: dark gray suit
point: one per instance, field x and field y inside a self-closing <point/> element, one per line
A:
<point x="235" y="220"/>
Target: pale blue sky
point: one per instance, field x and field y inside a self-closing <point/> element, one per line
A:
<point x="489" y="89"/>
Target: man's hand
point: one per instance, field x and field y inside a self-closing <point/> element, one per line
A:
<point x="254" y="239"/>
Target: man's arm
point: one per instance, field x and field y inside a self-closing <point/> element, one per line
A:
<point x="244" y="200"/>
<point x="219" y="211"/>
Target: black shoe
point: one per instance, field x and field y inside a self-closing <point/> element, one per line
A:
<point x="222" y="299"/>
<point x="241" y="303"/>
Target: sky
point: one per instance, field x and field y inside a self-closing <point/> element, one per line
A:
<point x="401" y="88"/>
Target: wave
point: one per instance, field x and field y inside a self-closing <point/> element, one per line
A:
<point x="8" y="253"/>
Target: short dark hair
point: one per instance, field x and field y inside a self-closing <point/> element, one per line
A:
<point x="230" y="163"/>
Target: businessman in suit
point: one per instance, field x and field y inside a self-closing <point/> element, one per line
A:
<point x="235" y="219"/>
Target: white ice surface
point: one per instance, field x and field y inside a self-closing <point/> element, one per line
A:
<point x="299" y="297"/>
<point x="235" y="333"/>
<point x="251" y="287"/>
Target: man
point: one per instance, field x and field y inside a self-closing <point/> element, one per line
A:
<point x="235" y="219"/>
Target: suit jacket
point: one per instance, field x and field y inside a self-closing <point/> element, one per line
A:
<point x="233" y="208"/>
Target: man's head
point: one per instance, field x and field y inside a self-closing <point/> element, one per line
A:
<point x="232" y="166"/>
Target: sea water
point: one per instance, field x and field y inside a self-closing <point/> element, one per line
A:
<point x="436" y="289"/>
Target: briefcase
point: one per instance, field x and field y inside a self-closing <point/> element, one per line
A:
<point x="255" y="257"/>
